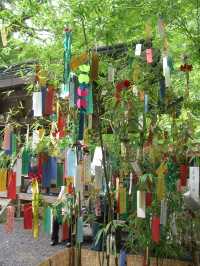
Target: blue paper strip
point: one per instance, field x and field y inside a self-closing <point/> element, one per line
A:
<point x="71" y="163"/>
<point x="122" y="258"/>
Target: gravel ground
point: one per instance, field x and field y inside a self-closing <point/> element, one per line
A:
<point x="20" y="249"/>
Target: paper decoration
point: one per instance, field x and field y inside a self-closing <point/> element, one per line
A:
<point x="49" y="100"/>
<point x="76" y="61"/>
<point x="35" y="138"/>
<point x="25" y="161"/>
<point x="37" y="103"/>
<point x="155" y="229"/>
<point x="4" y="36"/>
<point x="79" y="236"/>
<point x="94" y="67"/>
<point x="98" y="177"/>
<point x="14" y="144"/>
<point x="60" y="175"/>
<point x="149" y="199"/>
<point x="78" y="184"/>
<point x="6" y="145"/>
<point x="141" y="204"/>
<point x="130" y="183"/>
<point x="166" y="71"/>
<point x="122" y="258"/>
<point x="81" y="125"/>
<point x="163" y="212"/>
<point x="18" y="169"/>
<point x="194" y="182"/>
<point x="160" y="187"/>
<point x="146" y="97"/>
<point x="47" y="220"/>
<point x="149" y="56"/>
<point x="65" y="232"/>
<point x="184" y="172"/>
<point x="3" y="179"/>
<point x="10" y="219"/>
<point x="138" y="49"/>
<point x="71" y="163"/>
<point x="89" y="98"/>
<point x="35" y="208"/>
<point x="111" y="73"/>
<point x="28" y="216"/>
<point x="122" y="200"/>
<point x="11" y="191"/>
<point x="49" y="171"/>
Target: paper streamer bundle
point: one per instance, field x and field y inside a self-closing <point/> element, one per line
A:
<point x="28" y="216"/>
<point x="10" y="217"/>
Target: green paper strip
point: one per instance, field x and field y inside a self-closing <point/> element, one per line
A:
<point x="14" y="144"/>
<point x="25" y="161"/>
<point x="47" y="220"/>
<point x="60" y="172"/>
<point x="89" y="109"/>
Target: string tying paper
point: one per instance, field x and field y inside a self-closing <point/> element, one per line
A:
<point x="28" y="216"/>
<point x="10" y="218"/>
<point x="37" y="103"/>
<point x="155" y="229"/>
<point x="3" y="179"/>
<point x="11" y="191"/>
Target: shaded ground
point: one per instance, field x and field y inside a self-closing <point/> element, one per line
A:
<point x="20" y="249"/>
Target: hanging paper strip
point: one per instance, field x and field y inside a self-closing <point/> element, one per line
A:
<point x="37" y="103"/>
<point x="78" y="184"/>
<point x="111" y="73"/>
<point x="11" y="191"/>
<point x="130" y="184"/>
<point x="146" y="97"/>
<point x="49" y="100"/>
<point x="35" y="208"/>
<point x="184" y="172"/>
<point x="25" y="161"/>
<point x="162" y="89"/>
<point x="65" y="232"/>
<point x="72" y="93"/>
<point x="76" y="61"/>
<point x="61" y="125"/>
<point x="10" y="218"/>
<point x="89" y="98"/>
<point x="3" y="179"/>
<point x="6" y="145"/>
<point x="79" y="236"/>
<point x="4" y="36"/>
<point x="49" y="171"/>
<point x="28" y="216"/>
<point x="166" y="71"/>
<point x="71" y="162"/>
<point x="44" y="92"/>
<point x="148" y="199"/>
<point x="60" y="174"/>
<point x="155" y="229"/>
<point x="141" y="204"/>
<point x="81" y="125"/>
<point x="67" y="54"/>
<point x="94" y="67"/>
<point x="35" y="138"/>
<point x="163" y="212"/>
<point x="14" y="144"/>
<point x="98" y="177"/>
<point x="122" y="200"/>
<point x="194" y="182"/>
<point x="149" y="56"/>
<point x="138" y="49"/>
<point x="18" y="170"/>
<point x="122" y="258"/>
<point x="47" y="220"/>
<point x="160" y="187"/>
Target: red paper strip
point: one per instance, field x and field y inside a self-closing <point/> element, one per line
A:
<point x="149" y="56"/>
<point x="119" y="87"/>
<point x="148" y="199"/>
<point x="155" y="229"/>
<point x="65" y="232"/>
<point x="28" y="216"/>
<point x="184" y="172"/>
<point x="49" y="101"/>
<point x="61" y="125"/>
<point x="11" y="194"/>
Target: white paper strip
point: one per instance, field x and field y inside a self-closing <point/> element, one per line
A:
<point x="18" y="169"/>
<point x="98" y="177"/>
<point x="37" y="103"/>
<point x="35" y="138"/>
<point x="166" y="72"/>
<point x="131" y="184"/>
<point x="111" y="73"/>
<point x="138" y="49"/>
<point x="141" y="204"/>
<point x="194" y="182"/>
<point x="163" y="212"/>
